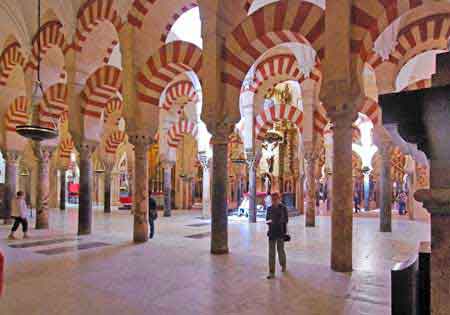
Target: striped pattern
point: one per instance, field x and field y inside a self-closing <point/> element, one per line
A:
<point x="175" y="17"/>
<point x="109" y="51"/>
<point x="50" y="34"/>
<point x="280" y="22"/>
<point x="10" y="57"/>
<point x="138" y="11"/>
<point x="178" y="130"/>
<point x="115" y="105"/>
<point x="64" y="117"/>
<point x="282" y="66"/>
<point x="371" y="109"/>
<point x="235" y="138"/>
<point x="265" y="120"/>
<point x="171" y="60"/>
<point x="17" y="113"/>
<point x="113" y="141"/>
<point x="65" y="148"/>
<point x="430" y="32"/>
<point x="320" y="120"/>
<point x="54" y="105"/>
<point x="90" y="14"/>
<point x="101" y="86"/>
<point x="421" y="84"/>
<point x="370" y="19"/>
<point x="182" y="93"/>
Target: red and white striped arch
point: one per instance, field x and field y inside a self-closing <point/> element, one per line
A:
<point x="54" y="105"/>
<point x="175" y="17"/>
<point x="138" y="11"/>
<point x="265" y="120"/>
<point x="50" y="35"/>
<point x="180" y="91"/>
<point x="90" y="14"/>
<point x="170" y="60"/>
<point x="320" y="120"/>
<point x="11" y="57"/>
<point x="274" y="24"/>
<point x="370" y="19"/>
<point x="101" y="86"/>
<point x="17" y="113"/>
<point x="427" y="33"/>
<point x="371" y="109"/>
<point x="64" y="117"/>
<point x="284" y="66"/>
<point x="114" y="105"/>
<point x="114" y="140"/>
<point x="178" y="130"/>
<point x="65" y="148"/>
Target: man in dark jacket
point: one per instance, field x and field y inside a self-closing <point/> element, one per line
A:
<point x="152" y="214"/>
<point x="277" y="219"/>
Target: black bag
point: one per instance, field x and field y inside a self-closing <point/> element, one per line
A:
<point x="287" y="238"/>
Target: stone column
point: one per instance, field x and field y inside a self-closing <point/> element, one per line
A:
<point x="43" y="154"/>
<point x="168" y="188"/>
<point x="251" y="162"/>
<point x="341" y="199"/>
<point x="63" y="189"/>
<point x="141" y="142"/>
<point x="219" y="216"/>
<point x="85" y="148"/>
<point x="11" y="166"/>
<point x="300" y="195"/>
<point x="53" y="195"/>
<point x="310" y="167"/>
<point x="107" y="188"/>
<point x="385" y="187"/>
<point x="206" y="191"/>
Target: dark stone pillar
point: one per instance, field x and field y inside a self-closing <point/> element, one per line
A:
<point x="63" y="191"/>
<point x="11" y="164"/>
<point x="251" y="162"/>
<point x="85" y="149"/>
<point x="310" y="166"/>
<point x="107" y="190"/>
<point x="385" y="188"/>
<point x="168" y="188"/>
<point x="219" y="218"/>
<point x="141" y="142"/>
<point x="342" y="205"/>
<point x="43" y="154"/>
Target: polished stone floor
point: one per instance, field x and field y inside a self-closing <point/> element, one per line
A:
<point x="58" y="273"/>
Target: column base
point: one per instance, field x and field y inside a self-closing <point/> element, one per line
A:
<point x="167" y="214"/>
<point x="344" y="268"/>
<point x="386" y="229"/>
<point x="220" y="251"/>
<point x="41" y="221"/>
<point x="84" y="232"/>
<point x="310" y="224"/>
<point x="140" y="231"/>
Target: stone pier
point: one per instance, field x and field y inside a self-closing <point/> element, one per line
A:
<point x="43" y="154"/>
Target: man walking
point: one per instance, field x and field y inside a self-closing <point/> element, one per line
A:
<point x="19" y="213"/>
<point x="276" y="219"/>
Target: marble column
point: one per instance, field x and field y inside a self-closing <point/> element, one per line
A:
<point x="219" y="215"/>
<point x="251" y="162"/>
<point x="300" y="194"/>
<point x="107" y="189"/>
<point x="141" y="142"/>
<point x="385" y="150"/>
<point x="43" y="154"/>
<point x="310" y="166"/>
<point x="206" y="181"/>
<point x="53" y="195"/>
<point x="11" y="166"/>
<point x="85" y="148"/>
<point x="341" y="199"/>
<point x="63" y="189"/>
<point x="168" y="188"/>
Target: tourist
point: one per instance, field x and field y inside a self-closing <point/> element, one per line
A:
<point x="356" y="201"/>
<point x="401" y="199"/>
<point x="19" y="212"/>
<point x="152" y="214"/>
<point x="277" y="219"/>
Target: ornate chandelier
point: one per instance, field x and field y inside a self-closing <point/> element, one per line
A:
<point x="31" y="131"/>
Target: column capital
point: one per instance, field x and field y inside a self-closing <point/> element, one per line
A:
<point x="436" y="201"/>
<point x="141" y="138"/>
<point x="345" y="113"/>
<point x="86" y="148"/>
<point x="204" y="160"/>
<point x="168" y="164"/>
<point x="42" y="152"/>
<point x="12" y="156"/>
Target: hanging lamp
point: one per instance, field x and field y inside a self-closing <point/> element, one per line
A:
<point x="31" y="131"/>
